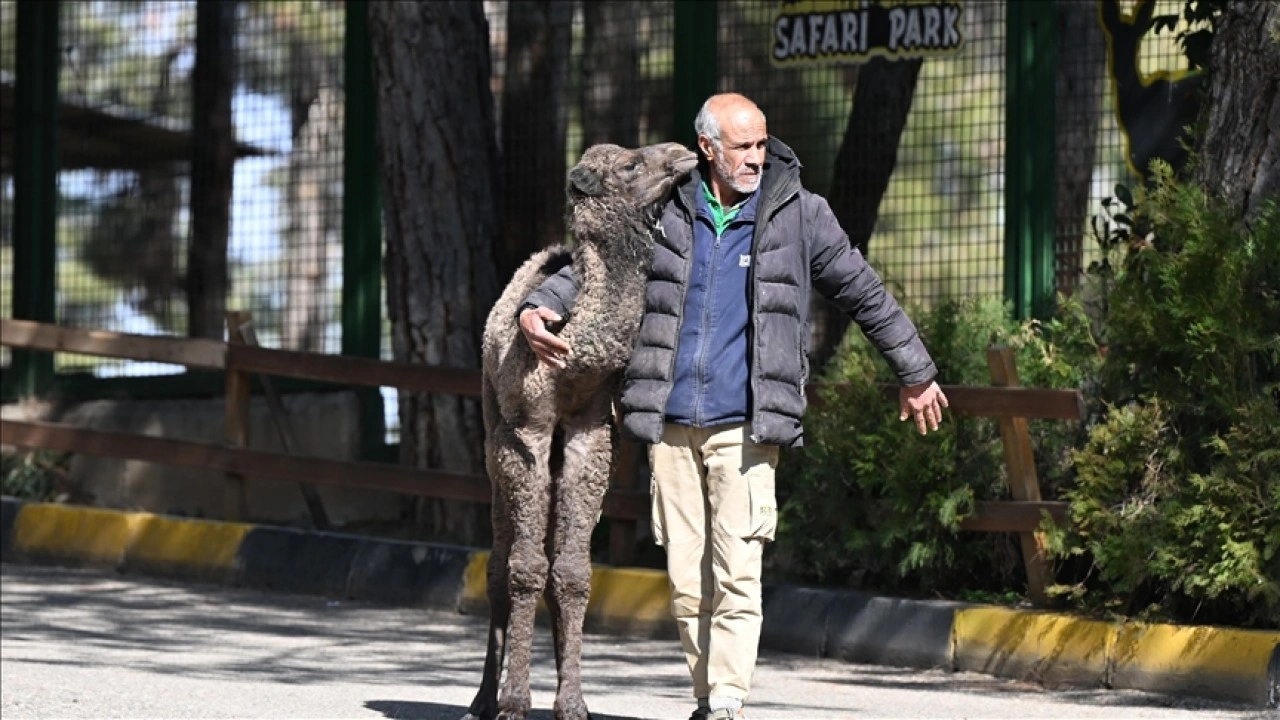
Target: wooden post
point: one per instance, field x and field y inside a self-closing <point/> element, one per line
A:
<point x="284" y="429"/>
<point x="236" y="503"/>
<point x="1022" y="472"/>
<point x="622" y="531"/>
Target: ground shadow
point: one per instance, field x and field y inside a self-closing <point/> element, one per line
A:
<point x="407" y="710"/>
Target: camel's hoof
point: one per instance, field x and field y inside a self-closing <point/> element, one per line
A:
<point x="572" y="710"/>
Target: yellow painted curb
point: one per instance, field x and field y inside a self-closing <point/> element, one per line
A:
<point x="112" y="537"/>
<point x="629" y="596"/>
<point x="475" y="581"/>
<point x="1044" y="647"/>
<point x="1203" y="661"/>
<point x="191" y="544"/>
<point x="87" y="534"/>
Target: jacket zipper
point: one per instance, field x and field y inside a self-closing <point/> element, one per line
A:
<point x="684" y="293"/>
<point x="704" y="329"/>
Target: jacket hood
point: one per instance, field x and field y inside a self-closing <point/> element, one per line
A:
<point x="781" y="175"/>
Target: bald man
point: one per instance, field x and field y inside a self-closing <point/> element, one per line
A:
<point x="715" y="384"/>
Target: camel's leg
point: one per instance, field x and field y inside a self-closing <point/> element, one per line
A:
<point x="485" y="704"/>
<point x="497" y="434"/>
<point x="524" y="465"/>
<point x="580" y="493"/>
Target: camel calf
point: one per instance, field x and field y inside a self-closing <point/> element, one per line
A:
<point x="549" y="436"/>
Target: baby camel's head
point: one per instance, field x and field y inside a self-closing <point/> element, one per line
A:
<point x="614" y="188"/>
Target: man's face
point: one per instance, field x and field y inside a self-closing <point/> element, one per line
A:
<point x="739" y="159"/>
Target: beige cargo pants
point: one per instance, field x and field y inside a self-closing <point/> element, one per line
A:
<point x="714" y="508"/>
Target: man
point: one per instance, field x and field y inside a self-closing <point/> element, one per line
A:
<point x="716" y="382"/>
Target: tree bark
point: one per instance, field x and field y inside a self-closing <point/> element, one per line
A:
<point x="864" y="164"/>
<point x="1081" y="71"/>
<point x="438" y="161"/>
<point x="212" y="167"/>
<point x="611" y="107"/>
<point x="1240" y="143"/>
<point x="533" y="129"/>
<point x="313" y="221"/>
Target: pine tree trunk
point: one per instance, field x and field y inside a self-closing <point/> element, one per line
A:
<point x="1240" y="145"/>
<point x="864" y="164"/>
<point x="313" y="221"/>
<point x="533" y="129"/>
<point x="438" y="161"/>
<point x="212" y="166"/>
<point x="611" y="107"/>
<point x="1078" y="95"/>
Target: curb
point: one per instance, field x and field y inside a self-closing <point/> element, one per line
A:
<point x="1241" y="666"/>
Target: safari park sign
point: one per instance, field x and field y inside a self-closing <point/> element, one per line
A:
<point x="823" y="32"/>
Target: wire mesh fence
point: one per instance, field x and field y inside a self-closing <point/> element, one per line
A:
<point x="124" y="221"/>
<point x="124" y="228"/>
<point x="123" y="95"/>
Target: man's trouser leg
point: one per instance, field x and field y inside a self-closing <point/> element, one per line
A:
<point x="713" y="509"/>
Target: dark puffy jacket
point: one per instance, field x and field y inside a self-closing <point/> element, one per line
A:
<point x="798" y="246"/>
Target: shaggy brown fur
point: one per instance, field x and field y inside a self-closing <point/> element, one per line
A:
<point x="549" y="437"/>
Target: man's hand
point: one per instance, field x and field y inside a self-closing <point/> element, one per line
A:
<point x="924" y="402"/>
<point x="549" y="348"/>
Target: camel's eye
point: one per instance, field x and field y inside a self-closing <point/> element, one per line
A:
<point x="631" y="166"/>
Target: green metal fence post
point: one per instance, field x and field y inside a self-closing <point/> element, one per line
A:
<point x="35" y="185"/>
<point x="1030" y="184"/>
<point x="696" y="70"/>
<point x="361" y="217"/>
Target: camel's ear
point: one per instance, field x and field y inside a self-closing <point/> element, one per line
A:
<point x="585" y="182"/>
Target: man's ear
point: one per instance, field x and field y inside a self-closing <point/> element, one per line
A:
<point x="583" y="181"/>
<point x="705" y="146"/>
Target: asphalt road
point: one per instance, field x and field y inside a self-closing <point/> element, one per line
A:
<point x="87" y="644"/>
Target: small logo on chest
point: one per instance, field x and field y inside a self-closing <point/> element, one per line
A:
<point x="744" y="261"/>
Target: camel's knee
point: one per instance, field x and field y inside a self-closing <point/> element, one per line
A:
<point x="571" y="579"/>
<point x="527" y="573"/>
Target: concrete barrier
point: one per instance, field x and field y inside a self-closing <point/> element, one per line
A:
<point x="1209" y="662"/>
<point x="892" y="631"/>
<point x="1046" y="648"/>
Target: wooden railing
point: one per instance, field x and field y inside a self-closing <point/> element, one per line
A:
<point x="240" y="360"/>
<point x="626" y="503"/>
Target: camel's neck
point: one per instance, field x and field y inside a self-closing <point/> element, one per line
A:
<point x="609" y="278"/>
<point x="612" y="276"/>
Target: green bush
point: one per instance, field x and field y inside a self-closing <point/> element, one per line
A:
<point x="1173" y="482"/>
<point x="868" y="501"/>
<point x="1176" y="503"/>
<point x="36" y="476"/>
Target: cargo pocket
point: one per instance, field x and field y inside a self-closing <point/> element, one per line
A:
<point x="655" y="514"/>
<point x="764" y="507"/>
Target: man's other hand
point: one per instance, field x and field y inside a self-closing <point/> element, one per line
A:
<point x="549" y="348"/>
<point x="924" y="402"/>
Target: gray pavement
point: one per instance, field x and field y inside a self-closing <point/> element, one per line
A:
<point x="89" y="644"/>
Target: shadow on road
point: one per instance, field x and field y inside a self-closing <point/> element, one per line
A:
<point x="184" y="629"/>
<point x="212" y="631"/>
<point x="404" y="710"/>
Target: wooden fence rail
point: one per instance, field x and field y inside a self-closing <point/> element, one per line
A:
<point x="624" y="503"/>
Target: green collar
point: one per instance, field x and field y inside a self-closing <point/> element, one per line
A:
<point x="721" y="217"/>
